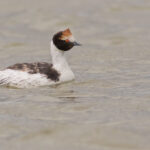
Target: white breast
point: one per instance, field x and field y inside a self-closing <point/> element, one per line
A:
<point x="21" y="79"/>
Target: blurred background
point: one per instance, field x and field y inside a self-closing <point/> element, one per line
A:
<point x="107" y="107"/>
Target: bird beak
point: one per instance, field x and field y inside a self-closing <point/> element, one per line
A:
<point x="76" y="44"/>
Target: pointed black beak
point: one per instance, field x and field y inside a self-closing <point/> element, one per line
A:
<point x="76" y="44"/>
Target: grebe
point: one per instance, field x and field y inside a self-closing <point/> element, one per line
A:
<point x="25" y="75"/>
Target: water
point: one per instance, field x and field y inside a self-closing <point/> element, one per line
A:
<point x="107" y="107"/>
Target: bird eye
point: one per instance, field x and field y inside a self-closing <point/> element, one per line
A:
<point x="67" y="40"/>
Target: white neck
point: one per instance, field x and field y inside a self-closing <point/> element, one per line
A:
<point x="60" y="63"/>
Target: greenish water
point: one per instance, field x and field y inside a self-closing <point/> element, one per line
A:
<point x="107" y="107"/>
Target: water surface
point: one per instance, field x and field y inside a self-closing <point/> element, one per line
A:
<point x="107" y="107"/>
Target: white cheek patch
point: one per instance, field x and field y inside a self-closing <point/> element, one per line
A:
<point x="71" y="39"/>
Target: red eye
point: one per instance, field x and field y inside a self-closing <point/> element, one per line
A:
<point x="67" y="41"/>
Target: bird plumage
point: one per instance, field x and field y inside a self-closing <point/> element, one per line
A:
<point x="25" y="75"/>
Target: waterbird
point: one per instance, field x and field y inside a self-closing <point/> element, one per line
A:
<point x="26" y="75"/>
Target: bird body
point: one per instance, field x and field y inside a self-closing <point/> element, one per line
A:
<point x="27" y="75"/>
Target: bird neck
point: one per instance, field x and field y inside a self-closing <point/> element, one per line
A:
<point x="58" y="59"/>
